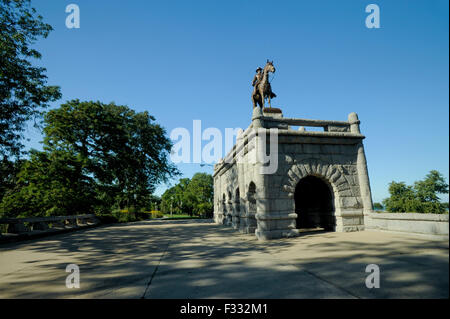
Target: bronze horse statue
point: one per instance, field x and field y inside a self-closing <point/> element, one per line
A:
<point x="262" y="89"/>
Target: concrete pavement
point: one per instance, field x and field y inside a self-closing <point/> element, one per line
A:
<point x="198" y="259"/>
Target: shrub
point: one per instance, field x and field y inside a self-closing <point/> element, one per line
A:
<point x="123" y="215"/>
<point x="156" y="214"/>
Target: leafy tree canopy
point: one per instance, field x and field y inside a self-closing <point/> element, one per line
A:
<point x="126" y="152"/>
<point x="422" y="197"/>
<point x="23" y="90"/>
<point x="50" y="184"/>
<point x="192" y="196"/>
<point x="97" y="157"/>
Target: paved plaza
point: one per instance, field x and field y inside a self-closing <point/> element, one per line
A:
<point x="200" y="259"/>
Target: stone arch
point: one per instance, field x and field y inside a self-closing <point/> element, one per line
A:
<point x="229" y="215"/>
<point x="224" y="202"/>
<point x="236" y="209"/>
<point x="251" y="195"/>
<point x="224" y="208"/>
<point x="251" y="208"/>
<point x="345" y="189"/>
<point x="237" y="198"/>
<point x="314" y="204"/>
<point x="333" y="174"/>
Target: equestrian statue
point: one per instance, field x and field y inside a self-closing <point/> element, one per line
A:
<point x="261" y="85"/>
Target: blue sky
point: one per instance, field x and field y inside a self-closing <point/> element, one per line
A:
<point x="187" y="60"/>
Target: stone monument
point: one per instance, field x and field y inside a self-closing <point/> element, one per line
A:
<point x="320" y="180"/>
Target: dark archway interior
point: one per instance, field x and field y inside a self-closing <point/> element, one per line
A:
<point x="238" y="201"/>
<point x="252" y="199"/>
<point x="313" y="204"/>
<point x="224" y="204"/>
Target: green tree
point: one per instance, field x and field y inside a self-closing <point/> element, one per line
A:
<point x="420" y="198"/>
<point x="378" y="206"/>
<point x="154" y="203"/>
<point x="97" y="158"/>
<point x="192" y="196"/>
<point x="174" y="199"/>
<point x="8" y="174"/>
<point x="23" y="90"/>
<point x="201" y="192"/>
<point x="50" y="184"/>
<point x="124" y="151"/>
<point x="428" y="189"/>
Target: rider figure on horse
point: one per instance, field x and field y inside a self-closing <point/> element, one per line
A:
<point x="257" y="78"/>
<point x="261" y="85"/>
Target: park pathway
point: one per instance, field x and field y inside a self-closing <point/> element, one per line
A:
<point x="199" y="259"/>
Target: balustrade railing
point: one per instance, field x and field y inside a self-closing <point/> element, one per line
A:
<point x="36" y="225"/>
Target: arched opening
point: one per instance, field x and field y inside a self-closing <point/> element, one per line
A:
<point x="224" y="209"/>
<point x="237" y="209"/>
<point x="251" y="210"/>
<point x="314" y="204"/>
<point x="238" y="201"/>
<point x="252" y="199"/>
<point x="230" y="210"/>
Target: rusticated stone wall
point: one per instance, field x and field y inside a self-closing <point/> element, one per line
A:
<point x="264" y="204"/>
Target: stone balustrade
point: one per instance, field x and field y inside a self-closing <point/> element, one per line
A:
<point x="431" y="225"/>
<point x="29" y="227"/>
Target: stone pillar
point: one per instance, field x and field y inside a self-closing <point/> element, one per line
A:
<point x="361" y="165"/>
<point x="354" y="123"/>
<point x="364" y="184"/>
<point x="257" y="118"/>
<point x="278" y="220"/>
<point x="275" y="225"/>
<point x="363" y="177"/>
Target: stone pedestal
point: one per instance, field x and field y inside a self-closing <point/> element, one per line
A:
<point x="275" y="225"/>
<point x="335" y="156"/>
